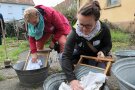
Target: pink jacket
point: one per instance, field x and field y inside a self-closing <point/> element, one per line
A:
<point x="55" y="23"/>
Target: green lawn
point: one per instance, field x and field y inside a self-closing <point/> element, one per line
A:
<point x="14" y="48"/>
<point x="120" y="40"/>
<point x="1" y="77"/>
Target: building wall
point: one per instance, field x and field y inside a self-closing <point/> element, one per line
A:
<point x="123" y="14"/>
<point x="82" y="2"/>
<point x="12" y="11"/>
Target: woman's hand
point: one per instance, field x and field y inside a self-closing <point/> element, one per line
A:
<point x="75" y="85"/>
<point x="51" y="45"/>
<point x="34" y="57"/>
<point x="100" y="54"/>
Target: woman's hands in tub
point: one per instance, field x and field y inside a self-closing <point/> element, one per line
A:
<point x="34" y="57"/>
<point x="51" y="45"/>
<point x="75" y="85"/>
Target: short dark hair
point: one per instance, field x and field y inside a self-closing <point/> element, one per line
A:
<point x="91" y="9"/>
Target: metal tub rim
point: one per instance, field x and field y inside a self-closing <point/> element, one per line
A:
<point x="114" y="70"/>
<point x="78" y="74"/>
<point x="119" y="53"/>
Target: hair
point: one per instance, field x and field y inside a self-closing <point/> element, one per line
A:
<point x="30" y="12"/>
<point x="91" y="8"/>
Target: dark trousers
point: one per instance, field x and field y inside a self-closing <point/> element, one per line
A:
<point x="0" y="39"/>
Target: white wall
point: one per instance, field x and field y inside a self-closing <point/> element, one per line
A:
<point x="12" y="11"/>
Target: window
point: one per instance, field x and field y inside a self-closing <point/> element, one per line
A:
<point x="113" y="3"/>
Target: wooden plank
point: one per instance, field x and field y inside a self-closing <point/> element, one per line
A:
<point x="108" y="67"/>
<point x="92" y="66"/>
<point x="95" y="58"/>
<point x="26" y="62"/>
<point x="108" y="60"/>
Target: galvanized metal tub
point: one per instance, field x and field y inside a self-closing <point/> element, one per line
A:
<point x="53" y="82"/>
<point x="33" y="78"/>
<point x="30" y="78"/>
<point x="124" y="54"/>
<point x="124" y="70"/>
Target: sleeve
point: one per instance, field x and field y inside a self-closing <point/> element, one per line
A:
<point x="32" y="43"/>
<point x="67" y="64"/>
<point x="2" y="20"/>
<point x="106" y="42"/>
<point x="58" y="23"/>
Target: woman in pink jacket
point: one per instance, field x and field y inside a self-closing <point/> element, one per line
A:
<point x="42" y="22"/>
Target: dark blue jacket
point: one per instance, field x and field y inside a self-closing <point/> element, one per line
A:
<point x="1" y="17"/>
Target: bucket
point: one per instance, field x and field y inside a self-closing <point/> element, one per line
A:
<point x="124" y="54"/>
<point x="124" y="70"/>
<point x="32" y="78"/>
<point x="53" y="82"/>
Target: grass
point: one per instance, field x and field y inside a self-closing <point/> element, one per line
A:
<point x="1" y="78"/>
<point x="119" y="36"/>
<point x="14" y="48"/>
<point x="120" y="40"/>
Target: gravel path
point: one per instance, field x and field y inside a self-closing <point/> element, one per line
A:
<point x="13" y="84"/>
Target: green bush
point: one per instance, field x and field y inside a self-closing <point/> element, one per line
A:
<point x="69" y="10"/>
<point x="15" y="29"/>
<point x="10" y="31"/>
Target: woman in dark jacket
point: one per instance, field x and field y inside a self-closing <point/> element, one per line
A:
<point x="89" y="30"/>
<point x="1" y="25"/>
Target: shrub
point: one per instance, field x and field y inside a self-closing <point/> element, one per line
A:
<point x="10" y="31"/>
<point x="69" y="10"/>
<point x="15" y="29"/>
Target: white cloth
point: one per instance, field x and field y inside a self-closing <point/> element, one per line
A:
<point x="55" y="60"/>
<point x="92" y="81"/>
<point x="33" y="66"/>
<point x="91" y="34"/>
<point x="53" y="56"/>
